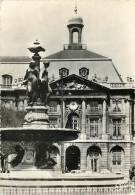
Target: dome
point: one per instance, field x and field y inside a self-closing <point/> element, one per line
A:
<point x="75" y="20"/>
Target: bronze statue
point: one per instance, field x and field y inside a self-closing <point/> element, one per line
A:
<point x="36" y="87"/>
<point x="45" y="88"/>
<point x="31" y="79"/>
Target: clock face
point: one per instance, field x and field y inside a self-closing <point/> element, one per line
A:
<point x="73" y="106"/>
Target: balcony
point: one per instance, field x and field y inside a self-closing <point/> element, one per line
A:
<point x="12" y="86"/>
<point x="94" y="111"/>
<point x="120" y="137"/>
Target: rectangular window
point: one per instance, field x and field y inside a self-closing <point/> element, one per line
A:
<point x="7" y="80"/>
<point x="52" y="107"/>
<point x="53" y="123"/>
<point x="93" y="127"/>
<point x="116" y="127"/>
<point x="116" y="158"/>
<point x="75" y="122"/>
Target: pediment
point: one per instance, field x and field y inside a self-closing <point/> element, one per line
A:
<point x="75" y="82"/>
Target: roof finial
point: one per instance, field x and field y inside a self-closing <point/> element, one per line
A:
<point x="75" y="10"/>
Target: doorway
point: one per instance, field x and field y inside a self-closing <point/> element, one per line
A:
<point x="93" y="158"/>
<point x="72" y="158"/>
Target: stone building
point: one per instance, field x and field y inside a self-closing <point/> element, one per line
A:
<point x="88" y="94"/>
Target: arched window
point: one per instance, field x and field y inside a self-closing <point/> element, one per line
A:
<point x="117" y="152"/>
<point x="75" y="37"/>
<point x="7" y="79"/>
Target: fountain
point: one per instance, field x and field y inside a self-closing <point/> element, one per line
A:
<point x="35" y="131"/>
<point x="26" y="164"/>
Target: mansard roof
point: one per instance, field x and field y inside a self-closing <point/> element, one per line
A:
<point x="15" y="59"/>
<point x="75" y="82"/>
<point x="75" y="54"/>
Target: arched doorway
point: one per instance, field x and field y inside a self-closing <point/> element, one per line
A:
<point x="93" y="158"/>
<point x="16" y="158"/>
<point x="72" y="158"/>
<point x="54" y="156"/>
<point x="117" y="159"/>
<point x="47" y="157"/>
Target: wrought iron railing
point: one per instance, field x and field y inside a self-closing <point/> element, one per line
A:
<point x="120" y="137"/>
<point x="94" y="110"/>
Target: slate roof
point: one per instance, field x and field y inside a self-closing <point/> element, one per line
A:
<point x="14" y="59"/>
<point x="75" y="54"/>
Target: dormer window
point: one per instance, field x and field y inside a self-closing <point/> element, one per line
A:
<point x="84" y="72"/>
<point x="7" y="80"/>
<point x="63" y="72"/>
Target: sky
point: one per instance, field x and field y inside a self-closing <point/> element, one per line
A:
<point x="109" y="28"/>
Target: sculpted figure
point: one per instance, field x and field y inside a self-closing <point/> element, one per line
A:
<point x="3" y="162"/>
<point x="31" y="79"/>
<point x="45" y="89"/>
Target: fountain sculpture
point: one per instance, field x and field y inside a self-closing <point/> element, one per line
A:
<point x="35" y="134"/>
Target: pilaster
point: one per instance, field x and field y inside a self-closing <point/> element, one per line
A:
<point x="127" y="159"/>
<point x="104" y="135"/>
<point x="83" y="128"/>
<point x="127" y="120"/>
<point x="104" y="159"/>
<point x="83" y="158"/>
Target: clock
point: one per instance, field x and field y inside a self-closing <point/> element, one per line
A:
<point x="73" y="106"/>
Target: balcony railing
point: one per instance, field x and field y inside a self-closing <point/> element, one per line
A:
<point x="76" y="46"/>
<point x="121" y="85"/>
<point x="94" y="111"/>
<point x="116" y="112"/>
<point x="120" y="137"/>
<point x="13" y="86"/>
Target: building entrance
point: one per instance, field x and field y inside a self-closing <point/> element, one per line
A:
<point x="94" y="165"/>
<point x="93" y="158"/>
<point x="72" y="158"/>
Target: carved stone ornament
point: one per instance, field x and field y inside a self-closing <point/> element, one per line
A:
<point x="73" y="106"/>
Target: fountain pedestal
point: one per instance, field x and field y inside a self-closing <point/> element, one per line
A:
<point x="36" y="117"/>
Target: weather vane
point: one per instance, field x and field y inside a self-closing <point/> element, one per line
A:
<point x="75" y="10"/>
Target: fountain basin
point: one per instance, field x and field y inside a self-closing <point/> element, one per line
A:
<point x="38" y="133"/>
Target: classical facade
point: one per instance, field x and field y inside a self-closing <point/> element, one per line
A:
<point x="88" y="94"/>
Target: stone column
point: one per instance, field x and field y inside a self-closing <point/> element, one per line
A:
<point x="0" y="109"/>
<point x="0" y="131"/>
<point x="79" y="36"/>
<point x="63" y="107"/>
<point x="83" y="127"/>
<point x="104" y="135"/>
<point x="62" y="157"/>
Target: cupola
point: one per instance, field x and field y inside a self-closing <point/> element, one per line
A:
<point x="75" y="25"/>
